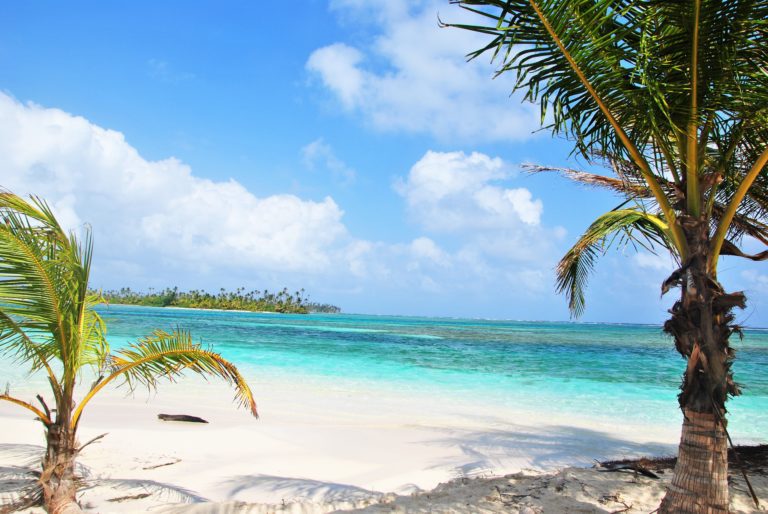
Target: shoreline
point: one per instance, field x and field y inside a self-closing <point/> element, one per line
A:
<point x="174" y="307"/>
<point x="323" y="451"/>
<point x="166" y="476"/>
<point x="314" y="447"/>
<point x="367" y="433"/>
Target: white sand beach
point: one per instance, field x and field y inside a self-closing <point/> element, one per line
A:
<point x="324" y="450"/>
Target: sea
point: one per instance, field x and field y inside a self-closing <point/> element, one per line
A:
<point x="600" y="371"/>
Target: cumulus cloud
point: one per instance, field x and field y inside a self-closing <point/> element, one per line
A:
<point x="414" y="77"/>
<point x="149" y="211"/>
<point x="337" y="65"/>
<point x="157" y="224"/>
<point x="497" y="231"/>
<point x="453" y="191"/>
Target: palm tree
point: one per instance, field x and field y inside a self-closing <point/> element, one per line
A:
<point x="673" y="97"/>
<point x="47" y="320"/>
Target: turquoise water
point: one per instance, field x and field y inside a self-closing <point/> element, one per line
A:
<point x="603" y="371"/>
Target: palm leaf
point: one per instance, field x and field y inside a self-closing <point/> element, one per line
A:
<point x="21" y="403"/>
<point x="673" y="92"/>
<point x="166" y="356"/>
<point x="35" y="272"/>
<point x="622" y="186"/>
<point x="575" y="267"/>
<point x="92" y="335"/>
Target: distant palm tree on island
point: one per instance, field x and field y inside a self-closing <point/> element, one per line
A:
<point x="283" y="301"/>
<point x="673" y="97"/>
<point x="47" y="321"/>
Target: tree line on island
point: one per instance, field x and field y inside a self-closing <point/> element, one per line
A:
<point x="282" y="301"/>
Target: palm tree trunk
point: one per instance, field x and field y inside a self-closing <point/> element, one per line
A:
<point x="701" y="325"/>
<point x="58" y="478"/>
<point x="700" y="483"/>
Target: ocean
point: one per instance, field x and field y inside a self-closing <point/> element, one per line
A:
<point x="624" y="372"/>
<point x="629" y="372"/>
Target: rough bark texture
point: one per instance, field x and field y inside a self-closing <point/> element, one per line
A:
<point x="58" y="479"/>
<point x="701" y="325"/>
<point x="700" y="483"/>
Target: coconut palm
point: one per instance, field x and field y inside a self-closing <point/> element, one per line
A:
<point x="47" y="321"/>
<point x="673" y="97"/>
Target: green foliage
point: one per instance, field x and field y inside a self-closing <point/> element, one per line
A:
<point x="637" y="57"/>
<point x="45" y="307"/>
<point x="47" y="318"/>
<point x="629" y="226"/>
<point x="670" y="96"/>
<point x="283" y="301"/>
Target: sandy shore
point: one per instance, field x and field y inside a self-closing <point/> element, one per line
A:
<point x="326" y="450"/>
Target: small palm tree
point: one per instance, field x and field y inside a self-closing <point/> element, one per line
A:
<point x="47" y="320"/>
<point x="673" y="97"/>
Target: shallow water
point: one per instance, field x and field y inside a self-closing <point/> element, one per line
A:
<point x="598" y="371"/>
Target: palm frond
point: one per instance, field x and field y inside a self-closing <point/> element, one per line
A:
<point x="93" y="334"/>
<point x="623" y="187"/>
<point x="35" y="270"/>
<point x="46" y="313"/>
<point x="166" y="356"/>
<point x="673" y="95"/>
<point x="26" y="405"/>
<point x="575" y="267"/>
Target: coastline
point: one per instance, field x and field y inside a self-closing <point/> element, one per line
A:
<point x="321" y="451"/>
<point x="339" y="431"/>
<point x="175" y="307"/>
<point x="310" y="447"/>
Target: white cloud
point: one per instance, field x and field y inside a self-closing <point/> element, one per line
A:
<point x="319" y="153"/>
<point x="414" y="77"/>
<point x="142" y="211"/>
<point x="452" y="191"/>
<point x="157" y="224"/>
<point x="337" y="65"/>
<point x="497" y="231"/>
<point x="426" y="249"/>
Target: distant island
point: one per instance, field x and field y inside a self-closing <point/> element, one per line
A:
<point x="257" y="301"/>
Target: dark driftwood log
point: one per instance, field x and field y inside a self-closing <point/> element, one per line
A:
<point x="181" y="417"/>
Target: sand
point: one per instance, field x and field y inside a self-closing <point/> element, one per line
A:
<point x="326" y="450"/>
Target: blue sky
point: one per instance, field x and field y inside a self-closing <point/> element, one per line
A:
<point x="345" y="147"/>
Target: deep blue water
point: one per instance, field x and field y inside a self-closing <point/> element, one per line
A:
<point x="600" y="370"/>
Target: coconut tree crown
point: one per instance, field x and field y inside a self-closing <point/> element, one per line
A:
<point x="673" y="96"/>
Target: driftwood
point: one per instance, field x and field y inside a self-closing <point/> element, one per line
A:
<point x="181" y="417"/>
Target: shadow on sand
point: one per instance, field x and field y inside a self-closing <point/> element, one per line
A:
<point x="488" y="452"/>
<point x="298" y="495"/>
<point x="20" y="471"/>
<point x="296" y="489"/>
